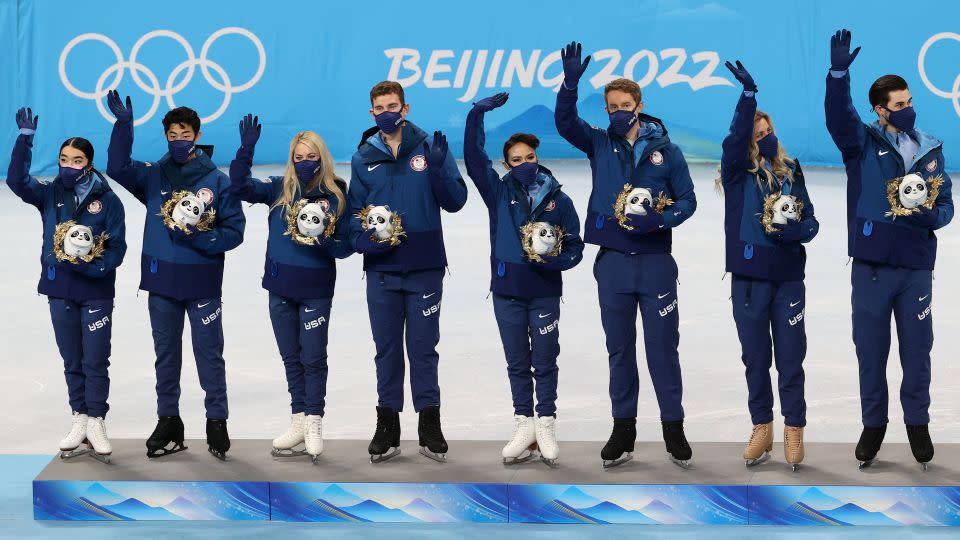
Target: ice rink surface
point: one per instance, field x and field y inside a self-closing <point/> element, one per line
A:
<point x="475" y="392"/>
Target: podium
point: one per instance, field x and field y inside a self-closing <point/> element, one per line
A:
<point x="474" y="486"/>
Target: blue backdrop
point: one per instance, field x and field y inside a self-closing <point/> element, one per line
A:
<point x="302" y="65"/>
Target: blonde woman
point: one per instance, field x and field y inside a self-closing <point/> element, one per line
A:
<point x="307" y="232"/>
<point x="768" y="217"/>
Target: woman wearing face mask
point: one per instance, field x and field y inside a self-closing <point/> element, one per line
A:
<point x="83" y="244"/>
<point x="526" y="290"/>
<point x="308" y="231"/>
<point x="768" y="217"/>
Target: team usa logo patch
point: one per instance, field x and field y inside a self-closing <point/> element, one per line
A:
<point x="418" y="163"/>
<point x="550" y="206"/>
<point x="205" y="195"/>
<point x="932" y="166"/>
<point x="656" y="158"/>
<point x="95" y="207"/>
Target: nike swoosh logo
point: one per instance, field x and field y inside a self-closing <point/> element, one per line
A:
<point x="306" y="310"/>
<point x="677" y="213"/>
<point x="922" y="298"/>
<point x="615" y="151"/>
<point x="513" y="202"/>
<point x="94" y="310"/>
<point x="372" y="167"/>
<point x="542" y="316"/>
<point x="428" y="295"/>
<point x="201" y="306"/>
<point x="660" y="227"/>
<point x="794" y="304"/>
<point x="662" y="296"/>
<point x="164" y="192"/>
<point x="59" y="204"/>
<point x="883" y="152"/>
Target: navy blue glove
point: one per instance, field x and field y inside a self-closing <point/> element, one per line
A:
<point x="180" y="236"/>
<point x="550" y="262"/>
<point x="78" y="267"/>
<point x="490" y="103"/>
<point x="436" y="154"/>
<point x="789" y="233"/>
<point x="840" y="55"/>
<point x="743" y="76"/>
<point x="645" y="224"/>
<point x="924" y="217"/>
<point x="249" y="131"/>
<point x="573" y="68"/>
<point x="26" y="121"/>
<point x="368" y="246"/>
<point x="120" y="112"/>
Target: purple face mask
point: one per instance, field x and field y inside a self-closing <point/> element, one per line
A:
<point x="180" y="150"/>
<point x="70" y="177"/>
<point x="307" y="169"/>
<point x="389" y="121"/>
<point x="622" y="121"/>
<point x="526" y="172"/>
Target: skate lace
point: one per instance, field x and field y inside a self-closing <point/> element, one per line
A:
<point x="99" y="429"/>
<point x="312" y="428"/>
<point x="518" y="432"/>
<point x="792" y="440"/>
<point x="757" y="434"/>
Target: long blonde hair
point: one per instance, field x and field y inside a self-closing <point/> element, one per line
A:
<point x="782" y="164"/>
<point x="325" y="177"/>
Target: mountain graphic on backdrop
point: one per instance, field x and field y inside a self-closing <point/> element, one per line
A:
<point x="187" y="509"/>
<point x="335" y="494"/>
<point x="612" y="513"/>
<point x="906" y="514"/>
<point x="576" y="498"/>
<point x="815" y="498"/>
<point x="101" y="496"/>
<point x="134" y="509"/>
<point x="426" y="512"/>
<point x="851" y="513"/>
<point x="373" y="511"/>
<point x="663" y="513"/>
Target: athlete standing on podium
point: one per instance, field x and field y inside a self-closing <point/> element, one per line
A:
<point x="641" y="191"/>
<point x="893" y="247"/>
<point x="401" y="178"/>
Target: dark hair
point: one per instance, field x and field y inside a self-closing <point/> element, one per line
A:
<point x="384" y="88"/>
<point x="80" y="144"/>
<point x="528" y="139"/>
<point x="881" y="88"/>
<point x="182" y="115"/>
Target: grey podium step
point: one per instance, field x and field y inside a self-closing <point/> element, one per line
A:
<point x="826" y="464"/>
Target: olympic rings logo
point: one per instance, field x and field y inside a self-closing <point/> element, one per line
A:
<point x="152" y="84"/>
<point x="954" y="93"/>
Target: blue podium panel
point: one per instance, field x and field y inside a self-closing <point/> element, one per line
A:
<point x="855" y="505"/>
<point x="388" y="502"/>
<point x="625" y="503"/>
<point x="77" y="500"/>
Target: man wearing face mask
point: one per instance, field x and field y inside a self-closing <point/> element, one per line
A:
<point x="526" y="292"/>
<point x="399" y="166"/>
<point x="182" y="271"/>
<point x="893" y="256"/>
<point x="634" y="268"/>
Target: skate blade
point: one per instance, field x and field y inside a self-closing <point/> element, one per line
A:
<point x="102" y="458"/>
<point x="166" y="450"/>
<point x="522" y="458"/>
<point x="553" y="463"/>
<point x="315" y="459"/>
<point x="682" y="463"/>
<point x="925" y="467"/>
<point x="867" y="464"/>
<point x="380" y="458"/>
<point x="222" y="456"/>
<point x="436" y="456"/>
<point x="794" y="467"/>
<point x="611" y="463"/>
<point x="296" y="451"/>
<point x="757" y="461"/>
<point x="76" y="452"/>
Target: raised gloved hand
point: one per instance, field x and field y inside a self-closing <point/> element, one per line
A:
<point x="647" y="223"/>
<point x="743" y="76"/>
<point x="120" y="112"/>
<point x="437" y="153"/>
<point x="840" y="55"/>
<point x="924" y="217"/>
<point x="26" y="121"/>
<point x="368" y="245"/>
<point x="573" y="68"/>
<point x="490" y="103"/>
<point x="249" y="131"/>
<point x="789" y="233"/>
